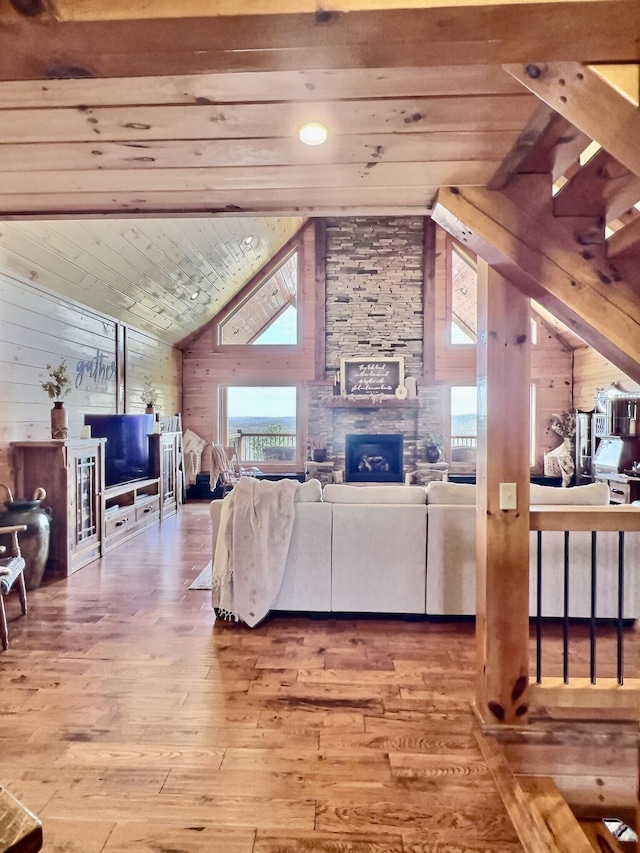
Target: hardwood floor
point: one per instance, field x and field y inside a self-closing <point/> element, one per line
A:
<point x="131" y="722"/>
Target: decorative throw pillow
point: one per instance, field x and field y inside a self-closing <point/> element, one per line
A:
<point x="593" y="494"/>
<point x="309" y="492"/>
<point x="397" y="494"/>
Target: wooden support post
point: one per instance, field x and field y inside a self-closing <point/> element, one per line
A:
<point x="502" y="624"/>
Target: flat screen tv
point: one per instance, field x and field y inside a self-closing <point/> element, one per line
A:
<point x="127" y="450"/>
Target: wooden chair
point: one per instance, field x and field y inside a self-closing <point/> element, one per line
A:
<point x="11" y="572"/>
<point x="222" y="468"/>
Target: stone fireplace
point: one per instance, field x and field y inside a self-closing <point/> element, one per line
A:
<point x="373" y="458"/>
<point x="375" y="309"/>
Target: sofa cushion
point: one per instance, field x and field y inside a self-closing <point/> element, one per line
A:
<point x="309" y="492"/>
<point x="339" y="493"/>
<point x="451" y="493"/>
<point x="593" y="494"/>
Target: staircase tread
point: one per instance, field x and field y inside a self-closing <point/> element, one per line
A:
<point x="544" y="796"/>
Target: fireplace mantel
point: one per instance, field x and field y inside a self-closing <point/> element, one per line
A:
<point x="368" y="403"/>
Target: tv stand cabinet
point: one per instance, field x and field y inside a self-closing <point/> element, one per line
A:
<point x="72" y="473"/>
<point x="128" y="509"/>
<point x="89" y="519"/>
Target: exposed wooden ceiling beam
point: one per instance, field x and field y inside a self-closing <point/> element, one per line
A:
<point x="588" y="102"/>
<point x="624" y="79"/>
<point x="602" y="187"/>
<point x="441" y="146"/>
<point x="625" y="243"/>
<point x="264" y="121"/>
<point x="39" y="47"/>
<point x="255" y="87"/>
<point x="321" y="201"/>
<point x="537" y="127"/>
<point x="523" y="247"/>
<point x="547" y="145"/>
<point x="94" y="10"/>
<point x="260" y="177"/>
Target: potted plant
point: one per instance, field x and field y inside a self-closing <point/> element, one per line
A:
<point x="57" y="387"/>
<point x="149" y="395"/>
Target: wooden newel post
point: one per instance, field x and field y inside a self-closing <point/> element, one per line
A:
<point x="502" y="627"/>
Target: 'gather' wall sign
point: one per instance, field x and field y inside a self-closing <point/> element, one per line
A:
<point x="101" y="369"/>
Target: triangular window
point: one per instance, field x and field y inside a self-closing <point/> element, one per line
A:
<point x="268" y="314"/>
<point x="464" y="299"/>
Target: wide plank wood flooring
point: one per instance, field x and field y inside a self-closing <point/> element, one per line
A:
<point x="131" y="721"/>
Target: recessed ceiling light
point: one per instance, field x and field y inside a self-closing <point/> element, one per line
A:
<point x="195" y="294"/>
<point x="248" y="240"/>
<point x="313" y="133"/>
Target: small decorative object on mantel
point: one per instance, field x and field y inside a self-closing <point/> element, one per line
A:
<point x="149" y="396"/>
<point x="57" y="387"/>
<point x="402" y="392"/>
<point x="318" y="450"/>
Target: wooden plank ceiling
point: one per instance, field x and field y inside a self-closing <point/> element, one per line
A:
<point x="129" y="109"/>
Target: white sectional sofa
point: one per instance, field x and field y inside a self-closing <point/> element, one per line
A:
<point x="451" y="556"/>
<point x="408" y="549"/>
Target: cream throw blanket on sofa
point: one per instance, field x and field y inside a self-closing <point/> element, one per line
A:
<point x="251" y="550"/>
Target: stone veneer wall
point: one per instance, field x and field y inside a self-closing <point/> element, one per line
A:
<point x="375" y="306"/>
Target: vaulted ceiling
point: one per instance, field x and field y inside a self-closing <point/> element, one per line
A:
<point x="475" y="111"/>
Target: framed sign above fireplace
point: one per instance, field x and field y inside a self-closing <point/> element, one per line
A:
<point x="371" y="376"/>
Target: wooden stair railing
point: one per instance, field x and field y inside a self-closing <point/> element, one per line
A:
<point x="559" y="779"/>
<point x="602" y="840"/>
<point x="610" y="690"/>
<point x="20" y="830"/>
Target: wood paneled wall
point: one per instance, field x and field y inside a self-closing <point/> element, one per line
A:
<point x="148" y="357"/>
<point x="38" y="328"/>
<point x="551" y="360"/>
<point x="592" y="371"/>
<point x="207" y="365"/>
<point x="551" y="365"/>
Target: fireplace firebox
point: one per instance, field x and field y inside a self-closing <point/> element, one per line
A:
<point x="373" y="459"/>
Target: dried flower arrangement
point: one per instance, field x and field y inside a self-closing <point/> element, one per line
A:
<point x="563" y="424"/>
<point x="59" y="383"/>
<point x="149" y="394"/>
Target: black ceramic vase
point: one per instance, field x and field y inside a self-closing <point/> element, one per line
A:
<point x="432" y="453"/>
<point x="34" y="541"/>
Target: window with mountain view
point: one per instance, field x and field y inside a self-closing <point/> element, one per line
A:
<point x="261" y="421"/>
<point x="463" y="424"/>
